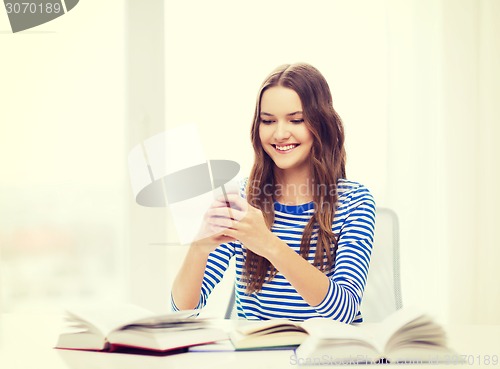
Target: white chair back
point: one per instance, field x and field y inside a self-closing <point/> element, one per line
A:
<point x="382" y="294"/>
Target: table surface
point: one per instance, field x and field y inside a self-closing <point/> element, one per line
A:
<point x="26" y="341"/>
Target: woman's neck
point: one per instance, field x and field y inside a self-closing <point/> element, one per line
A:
<point x="293" y="187"/>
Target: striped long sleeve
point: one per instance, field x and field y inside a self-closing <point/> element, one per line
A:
<point x="353" y="225"/>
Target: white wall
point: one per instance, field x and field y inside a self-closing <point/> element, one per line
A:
<point x="416" y="180"/>
<point x="443" y="79"/>
<point x="487" y="299"/>
<point x="471" y="76"/>
<point x="149" y="279"/>
<point x="62" y="150"/>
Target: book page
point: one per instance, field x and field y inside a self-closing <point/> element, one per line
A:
<point x="395" y="322"/>
<point x="328" y="328"/>
<point x="324" y="351"/>
<point x="106" y="318"/>
<point x="424" y="354"/>
<point x="180" y="318"/>
<point x="407" y="331"/>
<point x="421" y="334"/>
<point x="165" y="339"/>
<point x="253" y="327"/>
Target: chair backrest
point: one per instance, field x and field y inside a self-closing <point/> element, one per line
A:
<point x="231" y="312"/>
<point x="382" y="294"/>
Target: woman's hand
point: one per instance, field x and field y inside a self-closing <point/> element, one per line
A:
<point x="237" y="219"/>
<point x="209" y="236"/>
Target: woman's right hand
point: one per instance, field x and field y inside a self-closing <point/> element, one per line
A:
<point x="187" y="285"/>
<point x="210" y="236"/>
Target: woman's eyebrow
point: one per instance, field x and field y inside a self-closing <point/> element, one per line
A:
<point x="288" y="115"/>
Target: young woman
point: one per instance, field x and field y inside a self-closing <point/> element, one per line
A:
<point x="303" y="235"/>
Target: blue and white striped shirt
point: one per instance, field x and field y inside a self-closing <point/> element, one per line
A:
<point x="353" y="225"/>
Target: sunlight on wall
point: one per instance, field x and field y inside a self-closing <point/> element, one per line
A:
<point x="62" y="148"/>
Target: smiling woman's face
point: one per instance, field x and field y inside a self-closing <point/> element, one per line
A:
<point x="282" y="131"/>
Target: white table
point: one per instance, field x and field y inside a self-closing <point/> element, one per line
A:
<point x="27" y="342"/>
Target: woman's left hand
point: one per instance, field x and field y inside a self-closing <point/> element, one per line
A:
<point x="246" y="224"/>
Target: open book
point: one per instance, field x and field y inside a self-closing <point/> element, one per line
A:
<point x="407" y="336"/>
<point x="129" y="328"/>
<point x="268" y="334"/>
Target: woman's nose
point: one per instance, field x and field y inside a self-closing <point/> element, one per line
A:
<point x="282" y="132"/>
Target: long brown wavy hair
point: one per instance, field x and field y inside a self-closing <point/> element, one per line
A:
<point x="327" y="166"/>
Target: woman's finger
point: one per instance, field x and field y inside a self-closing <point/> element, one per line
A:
<point x="226" y="213"/>
<point x="235" y="201"/>
<point x="221" y="223"/>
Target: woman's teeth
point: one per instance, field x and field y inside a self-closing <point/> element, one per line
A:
<point x="285" y="148"/>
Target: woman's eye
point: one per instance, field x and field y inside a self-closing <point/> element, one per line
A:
<point x="297" y="121"/>
<point x="265" y="121"/>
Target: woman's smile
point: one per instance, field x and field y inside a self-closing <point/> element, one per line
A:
<point x="285" y="149"/>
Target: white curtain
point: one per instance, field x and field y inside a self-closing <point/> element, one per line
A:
<point x="444" y="90"/>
